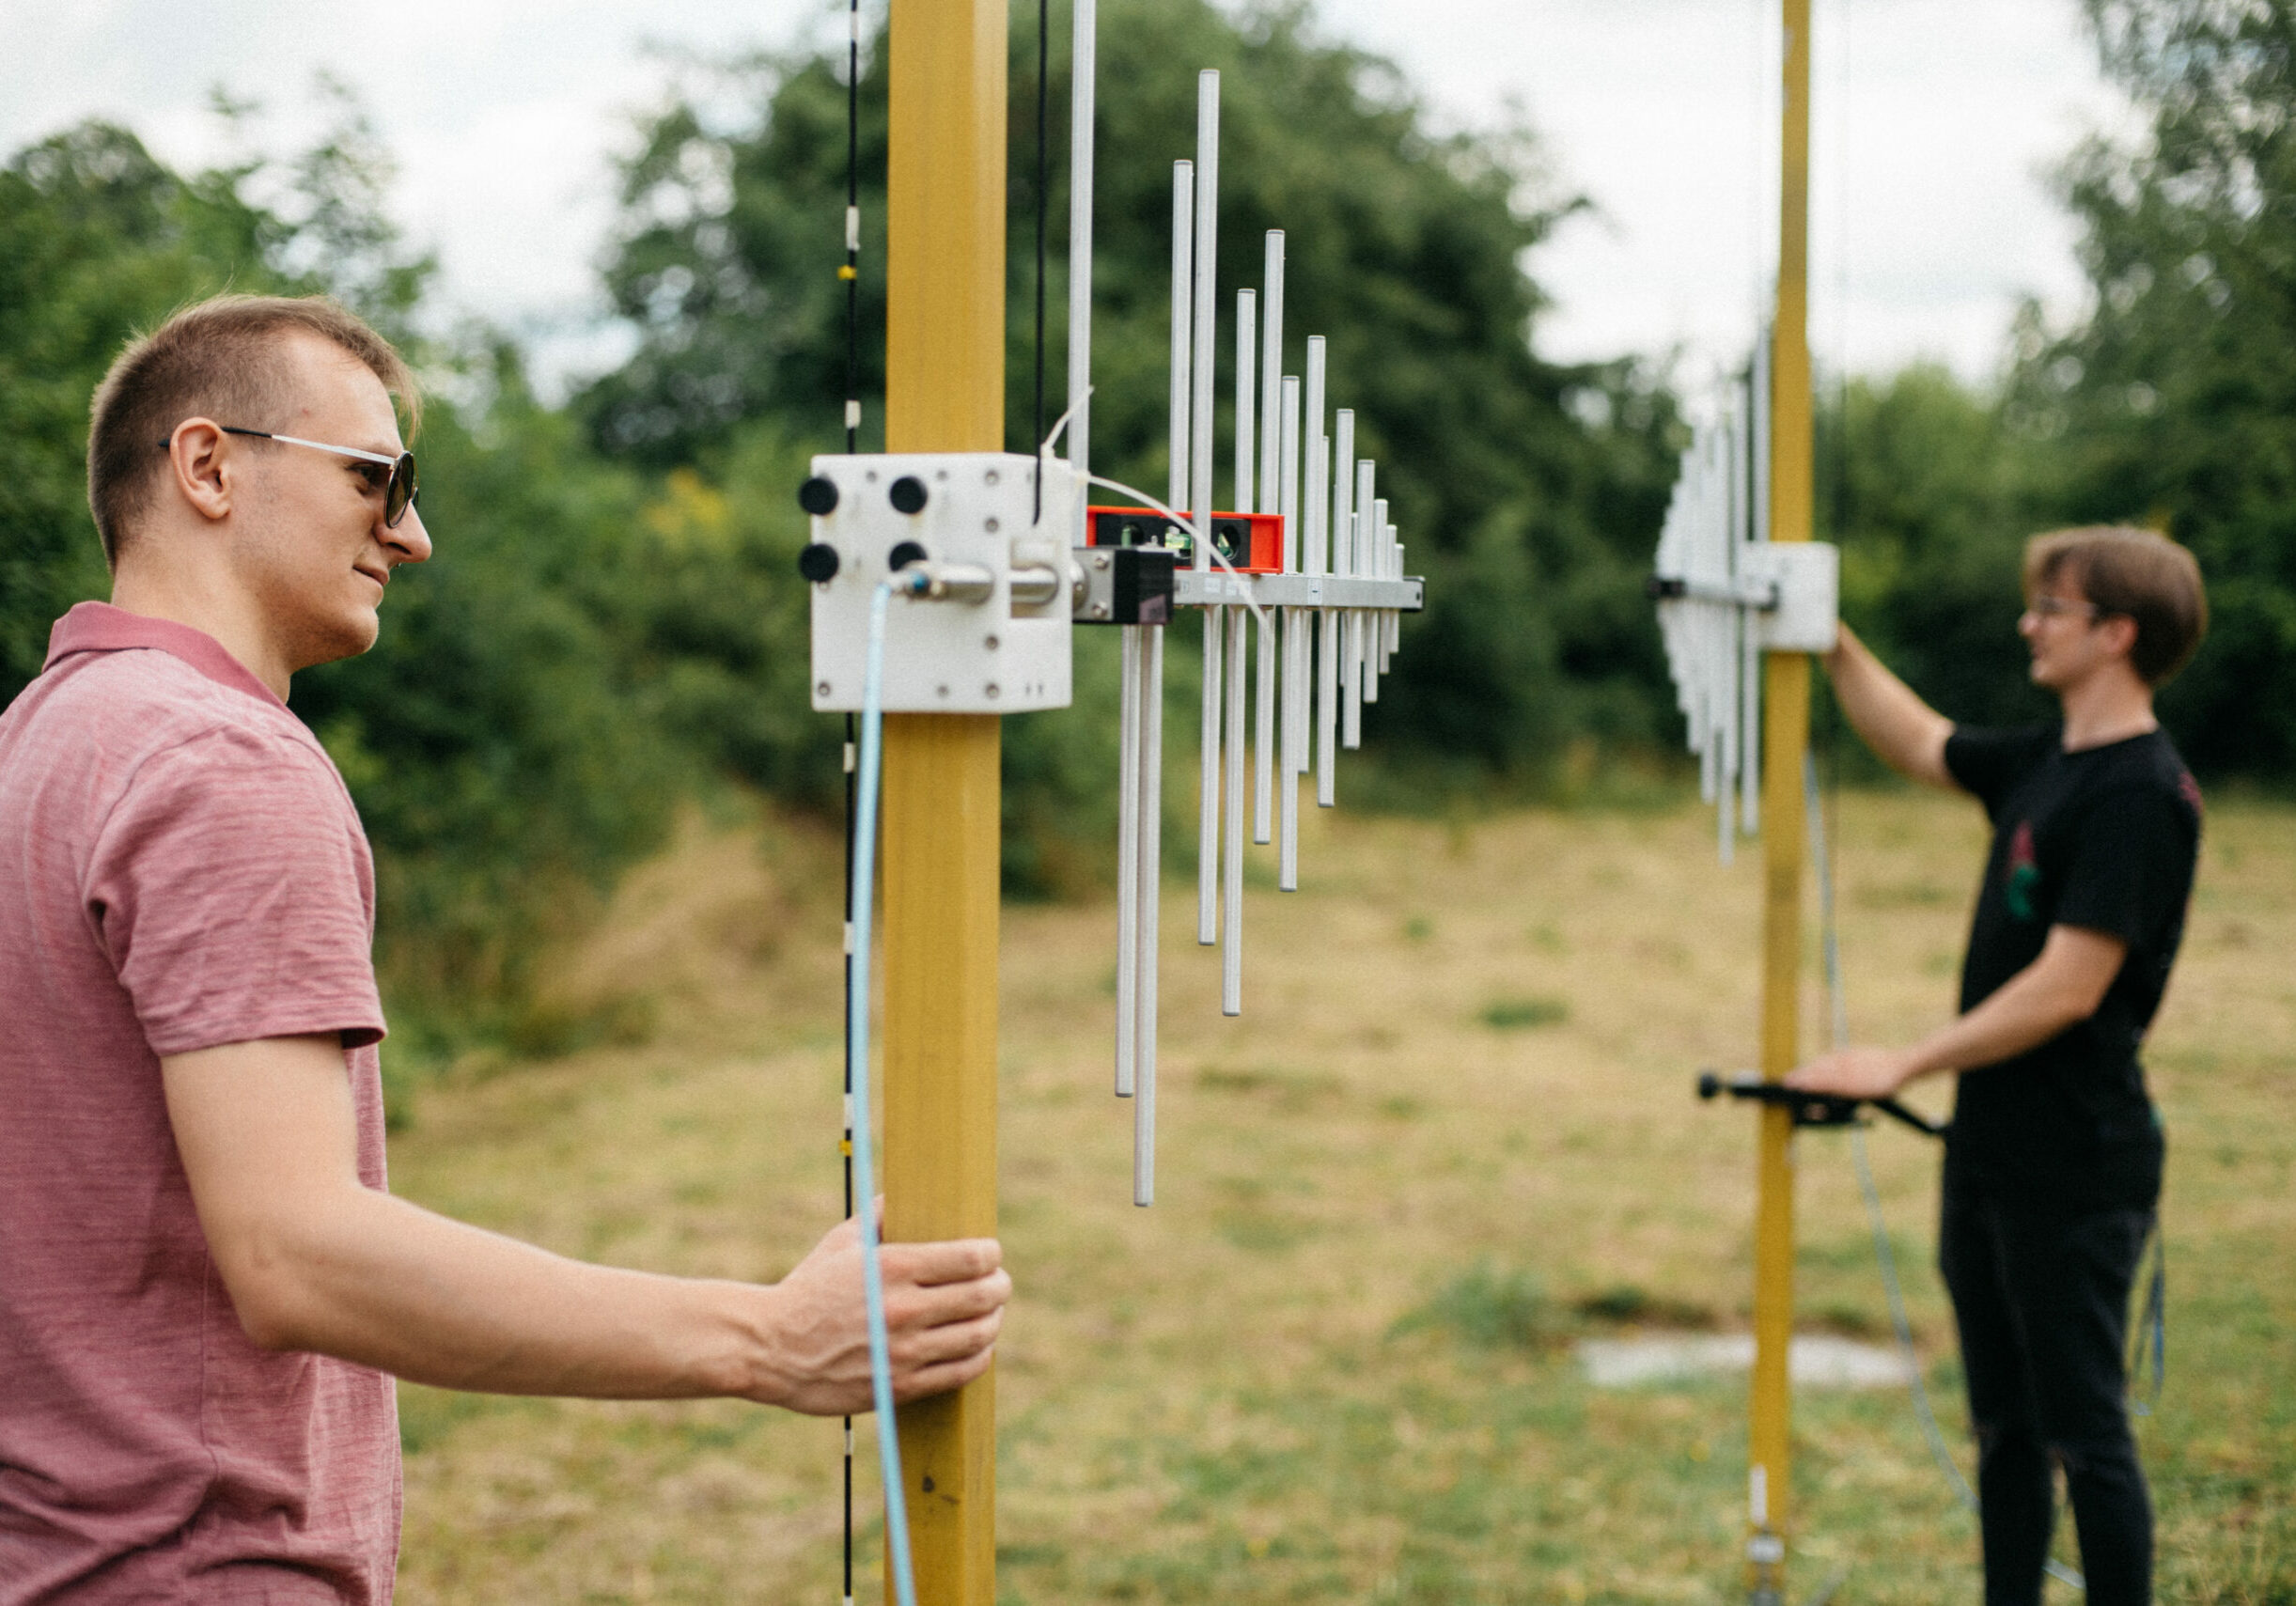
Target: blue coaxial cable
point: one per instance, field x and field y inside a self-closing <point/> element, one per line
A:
<point x="857" y="1043"/>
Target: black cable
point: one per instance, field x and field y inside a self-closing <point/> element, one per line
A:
<point x="2151" y="1340"/>
<point x="1044" y="184"/>
<point x="846" y="1147"/>
<point x="850" y="272"/>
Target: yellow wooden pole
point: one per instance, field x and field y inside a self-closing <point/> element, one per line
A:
<point x="945" y="392"/>
<point x="1785" y="740"/>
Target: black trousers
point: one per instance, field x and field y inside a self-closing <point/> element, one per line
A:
<point x="2041" y="1297"/>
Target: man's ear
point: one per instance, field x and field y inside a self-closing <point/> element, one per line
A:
<point x="2119" y="632"/>
<point x="203" y="467"/>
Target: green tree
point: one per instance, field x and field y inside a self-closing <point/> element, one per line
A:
<point x="501" y="741"/>
<point x="96" y="239"/>
<point x="505" y="757"/>
<point x="2169" y="403"/>
<point x="1404" y="246"/>
<point x="99" y="239"/>
<point x="1930" y="495"/>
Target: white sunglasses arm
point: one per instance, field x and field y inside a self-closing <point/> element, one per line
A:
<point x="342" y="451"/>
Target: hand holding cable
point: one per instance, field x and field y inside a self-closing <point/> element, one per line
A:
<point x="944" y="1305"/>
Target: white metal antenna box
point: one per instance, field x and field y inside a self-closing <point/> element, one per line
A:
<point x="983" y="625"/>
<point x="1807" y="576"/>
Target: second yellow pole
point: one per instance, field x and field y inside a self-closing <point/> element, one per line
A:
<point x="945" y="392"/>
<point x="1785" y="740"/>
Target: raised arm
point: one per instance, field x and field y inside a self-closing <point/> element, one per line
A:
<point x="314" y="1260"/>
<point x="1907" y="734"/>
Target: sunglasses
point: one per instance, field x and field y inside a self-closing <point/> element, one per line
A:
<point x="399" y="491"/>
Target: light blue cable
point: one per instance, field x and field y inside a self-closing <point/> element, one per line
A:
<point x="870" y="764"/>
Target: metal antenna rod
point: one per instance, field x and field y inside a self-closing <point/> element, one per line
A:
<point x="1327" y="670"/>
<point x="1315" y="509"/>
<point x="1199" y="490"/>
<point x="1083" y="70"/>
<point x="1270" y="501"/>
<point x="1083" y="73"/>
<point x="1263" y="732"/>
<point x="1183" y="267"/>
<point x="1391" y="632"/>
<point x="1151" y="881"/>
<point x="1247" y="398"/>
<point x="1127" y="865"/>
<point x="1231" y="914"/>
<point x="1208" y="793"/>
<point x="1150" y="807"/>
<point x="1374" y="622"/>
<point x="1729" y="626"/>
<point x="1757" y="390"/>
<point x="1293" y="756"/>
<point x="1352" y="654"/>
<point x="1239" y="623"/>
<point x="1271" y="372"/>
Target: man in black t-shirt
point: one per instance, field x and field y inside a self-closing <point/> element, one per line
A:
<point x="2052" y="1164"/>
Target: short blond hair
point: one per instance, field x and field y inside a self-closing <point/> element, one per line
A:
<point x="2138" y="573"/>
<point x="221" y="358"/>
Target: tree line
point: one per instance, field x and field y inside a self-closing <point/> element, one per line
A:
<point x="612" y="623"/>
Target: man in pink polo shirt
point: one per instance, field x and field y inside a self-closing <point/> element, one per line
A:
<point x="205" y="1287"/>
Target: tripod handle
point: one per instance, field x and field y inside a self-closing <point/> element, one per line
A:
<point x="1811" y="1109"/>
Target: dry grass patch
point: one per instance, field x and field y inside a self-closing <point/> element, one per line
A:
<point x="1331" y="1364"/>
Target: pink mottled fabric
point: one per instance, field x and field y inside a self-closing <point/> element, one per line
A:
<point x="180" y="867"/>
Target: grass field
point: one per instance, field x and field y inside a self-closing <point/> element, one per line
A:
<point x="1453" y="1134"/>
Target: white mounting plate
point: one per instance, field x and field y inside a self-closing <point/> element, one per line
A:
<point x="944" y="656"/>
<point x="1210" y="589"/>
<point x="1807" y="576"/>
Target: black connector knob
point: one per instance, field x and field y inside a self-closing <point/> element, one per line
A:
<point x="905" y="553"/>
<point x="818" y="496"/>
<point x="818" y="561"/>
<point x="908" y="495"/>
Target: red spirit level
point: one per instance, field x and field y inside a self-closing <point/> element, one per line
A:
<point x="1252" y="543"/>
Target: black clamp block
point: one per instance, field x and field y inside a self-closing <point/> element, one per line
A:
<point x="1125" y="586"/>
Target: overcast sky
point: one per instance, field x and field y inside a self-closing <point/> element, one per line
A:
<point x="1936" y="123"/>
